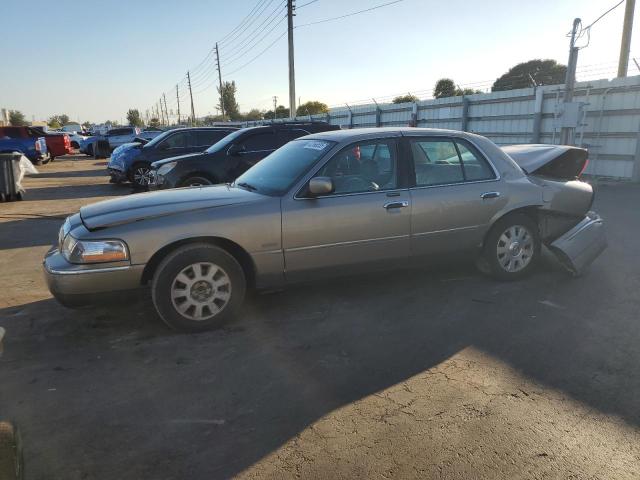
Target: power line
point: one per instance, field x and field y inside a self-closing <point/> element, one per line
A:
<point x="305" y="4"/>
<point x="241" y="22"/>
<point x="257" y="56"/>
<point x="604" y="14"/>
<point x="249" y="23"/>
<point x="349" y="14"/>
<point x="250" y="39"/>
<point x="238" y="55"/>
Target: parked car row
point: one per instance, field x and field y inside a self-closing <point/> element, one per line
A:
<point x="117" y="137"/>
<point x="201" y="155"/>
<point x="326" y="204"/>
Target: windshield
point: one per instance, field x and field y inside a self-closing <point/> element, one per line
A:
<point x="225" y="142"/>
<point x="158" y="139"/>
<point x="277" y="173"/>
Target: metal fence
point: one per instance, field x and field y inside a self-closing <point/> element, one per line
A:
<point x="608" y="123"/>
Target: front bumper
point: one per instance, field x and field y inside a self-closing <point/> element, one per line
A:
<point x="117" y="174"/>
<point x="160" y="182"/>
<point x="581" y="245"/>
<point x="75" y="285"/>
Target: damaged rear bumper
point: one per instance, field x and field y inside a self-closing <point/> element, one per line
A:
<point x="581" y="245"/>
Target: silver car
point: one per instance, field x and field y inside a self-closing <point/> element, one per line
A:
<point x="328" y="204"/>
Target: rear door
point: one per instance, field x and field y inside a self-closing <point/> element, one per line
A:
<point x="455" y="192"/>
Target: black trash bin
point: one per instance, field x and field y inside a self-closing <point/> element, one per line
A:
<point x="9" y="190"/>
<point x="101" y="149"/>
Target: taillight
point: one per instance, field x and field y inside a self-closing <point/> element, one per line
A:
<point x="66" y="140"/>
<point x="584" y="167"/>
<point x="37" y="146"/>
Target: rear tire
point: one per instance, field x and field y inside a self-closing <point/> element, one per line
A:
<point x="512" y="247"/>
<point x="198" y="287"/>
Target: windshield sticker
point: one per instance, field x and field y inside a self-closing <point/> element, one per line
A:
<point x="315" y="145"/>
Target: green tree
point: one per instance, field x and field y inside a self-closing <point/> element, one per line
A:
<point x="543" y="72"/>
<point x="254" y="114"/>
<point x="134" y="118"/>
<point x="465" y="91"/>
<point x="16" y="118"/>
<point x="53" y="122"/>
<point x="231" y="107"/>
<point x="281" y="112"/>
<point x="312" y="107"/>
<point x="154" y="122"/>
<point x="63" y="119"/>
<point x="86" y="124"/>
<point x="445" y="87"/>
<point x="408" y="98"/>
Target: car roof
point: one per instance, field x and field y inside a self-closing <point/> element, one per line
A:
<point x="358" y="133"/>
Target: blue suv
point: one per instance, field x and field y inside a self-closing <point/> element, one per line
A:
<point x="132" y="161"/>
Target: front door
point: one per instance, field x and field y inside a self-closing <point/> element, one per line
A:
<point x="363" y="224"/>
<point x="455" y="194"/>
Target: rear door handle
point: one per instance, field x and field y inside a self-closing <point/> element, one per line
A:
<point x="390" y="205"/>
<point x="486" y="195"/>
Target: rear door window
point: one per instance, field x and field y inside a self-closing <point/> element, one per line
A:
<point x="177" y="140"/>
<point x="206" y="138"/>
<point x="260" y="142"/>
<point x="435" y="162"/>
<point x="475" y="167"/>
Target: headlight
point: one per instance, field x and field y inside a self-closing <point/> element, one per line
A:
<point x="94" y="251"/>
<point x="166" y="168"/>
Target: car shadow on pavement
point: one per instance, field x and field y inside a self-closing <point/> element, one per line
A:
<point x="71" y="192"/>
<point x="211" y="405"/>
<point x="19" y="233"/>
<point x="71" y="174"/>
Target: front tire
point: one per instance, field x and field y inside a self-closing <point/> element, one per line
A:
<point x="197" y="181"/>
<point x="512" y="247"/>
<point x="141" y="175"/>
<point x="198" y="287"/>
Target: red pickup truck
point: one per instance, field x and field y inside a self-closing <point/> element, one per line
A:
<point x="57" y="143"/>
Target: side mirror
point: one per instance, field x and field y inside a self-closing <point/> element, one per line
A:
<point x="236" y="149"/>
<point x="320" y="186"/>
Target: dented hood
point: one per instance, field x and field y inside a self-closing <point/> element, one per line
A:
<point x="143" y="206"/>
<point x="558" y="161"/>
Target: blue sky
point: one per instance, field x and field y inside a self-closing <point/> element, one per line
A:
<point x="94" y="60"/>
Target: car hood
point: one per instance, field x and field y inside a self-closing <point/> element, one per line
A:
<point x="159" y="163"/>
<point x="143" y="206"/>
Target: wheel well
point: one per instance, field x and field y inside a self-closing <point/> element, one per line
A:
<point x="206" y="175"/>
<point x="75" y="144"/>
<point x="530" y="211"/>
<point x="239" y="253"/>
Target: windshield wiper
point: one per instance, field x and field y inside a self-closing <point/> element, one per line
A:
<point x="249" y="187"/>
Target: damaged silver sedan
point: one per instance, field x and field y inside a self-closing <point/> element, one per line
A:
<point x="332" y="203"/>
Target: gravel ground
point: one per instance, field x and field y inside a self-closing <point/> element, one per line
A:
<point x="429" y="373"/>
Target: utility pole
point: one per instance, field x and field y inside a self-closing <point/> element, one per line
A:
<point x="292" y="72"/>
<point x="166" y="112"/>
<point x="193" y="113"/>
<point x="220" y="80"/>
<point x="625" y="44"/>
<point x="275" y="103"/>
<point x="178" y="100"/>
<point x="566" y="133"/>
<point x="159" y="108"/>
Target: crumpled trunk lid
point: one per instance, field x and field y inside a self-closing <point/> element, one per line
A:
<point x="559" y="162"/>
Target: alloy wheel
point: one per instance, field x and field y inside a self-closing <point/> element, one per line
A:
<point x="201" y="291"/>
<point x="142" y="176"/>
<point x="515" y="248"/>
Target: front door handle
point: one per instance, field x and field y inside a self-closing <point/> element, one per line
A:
<point x="390" y="205"/>
<point x="486" y="195"/>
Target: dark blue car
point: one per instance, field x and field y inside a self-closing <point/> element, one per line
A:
<point x="131" y="162"/>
